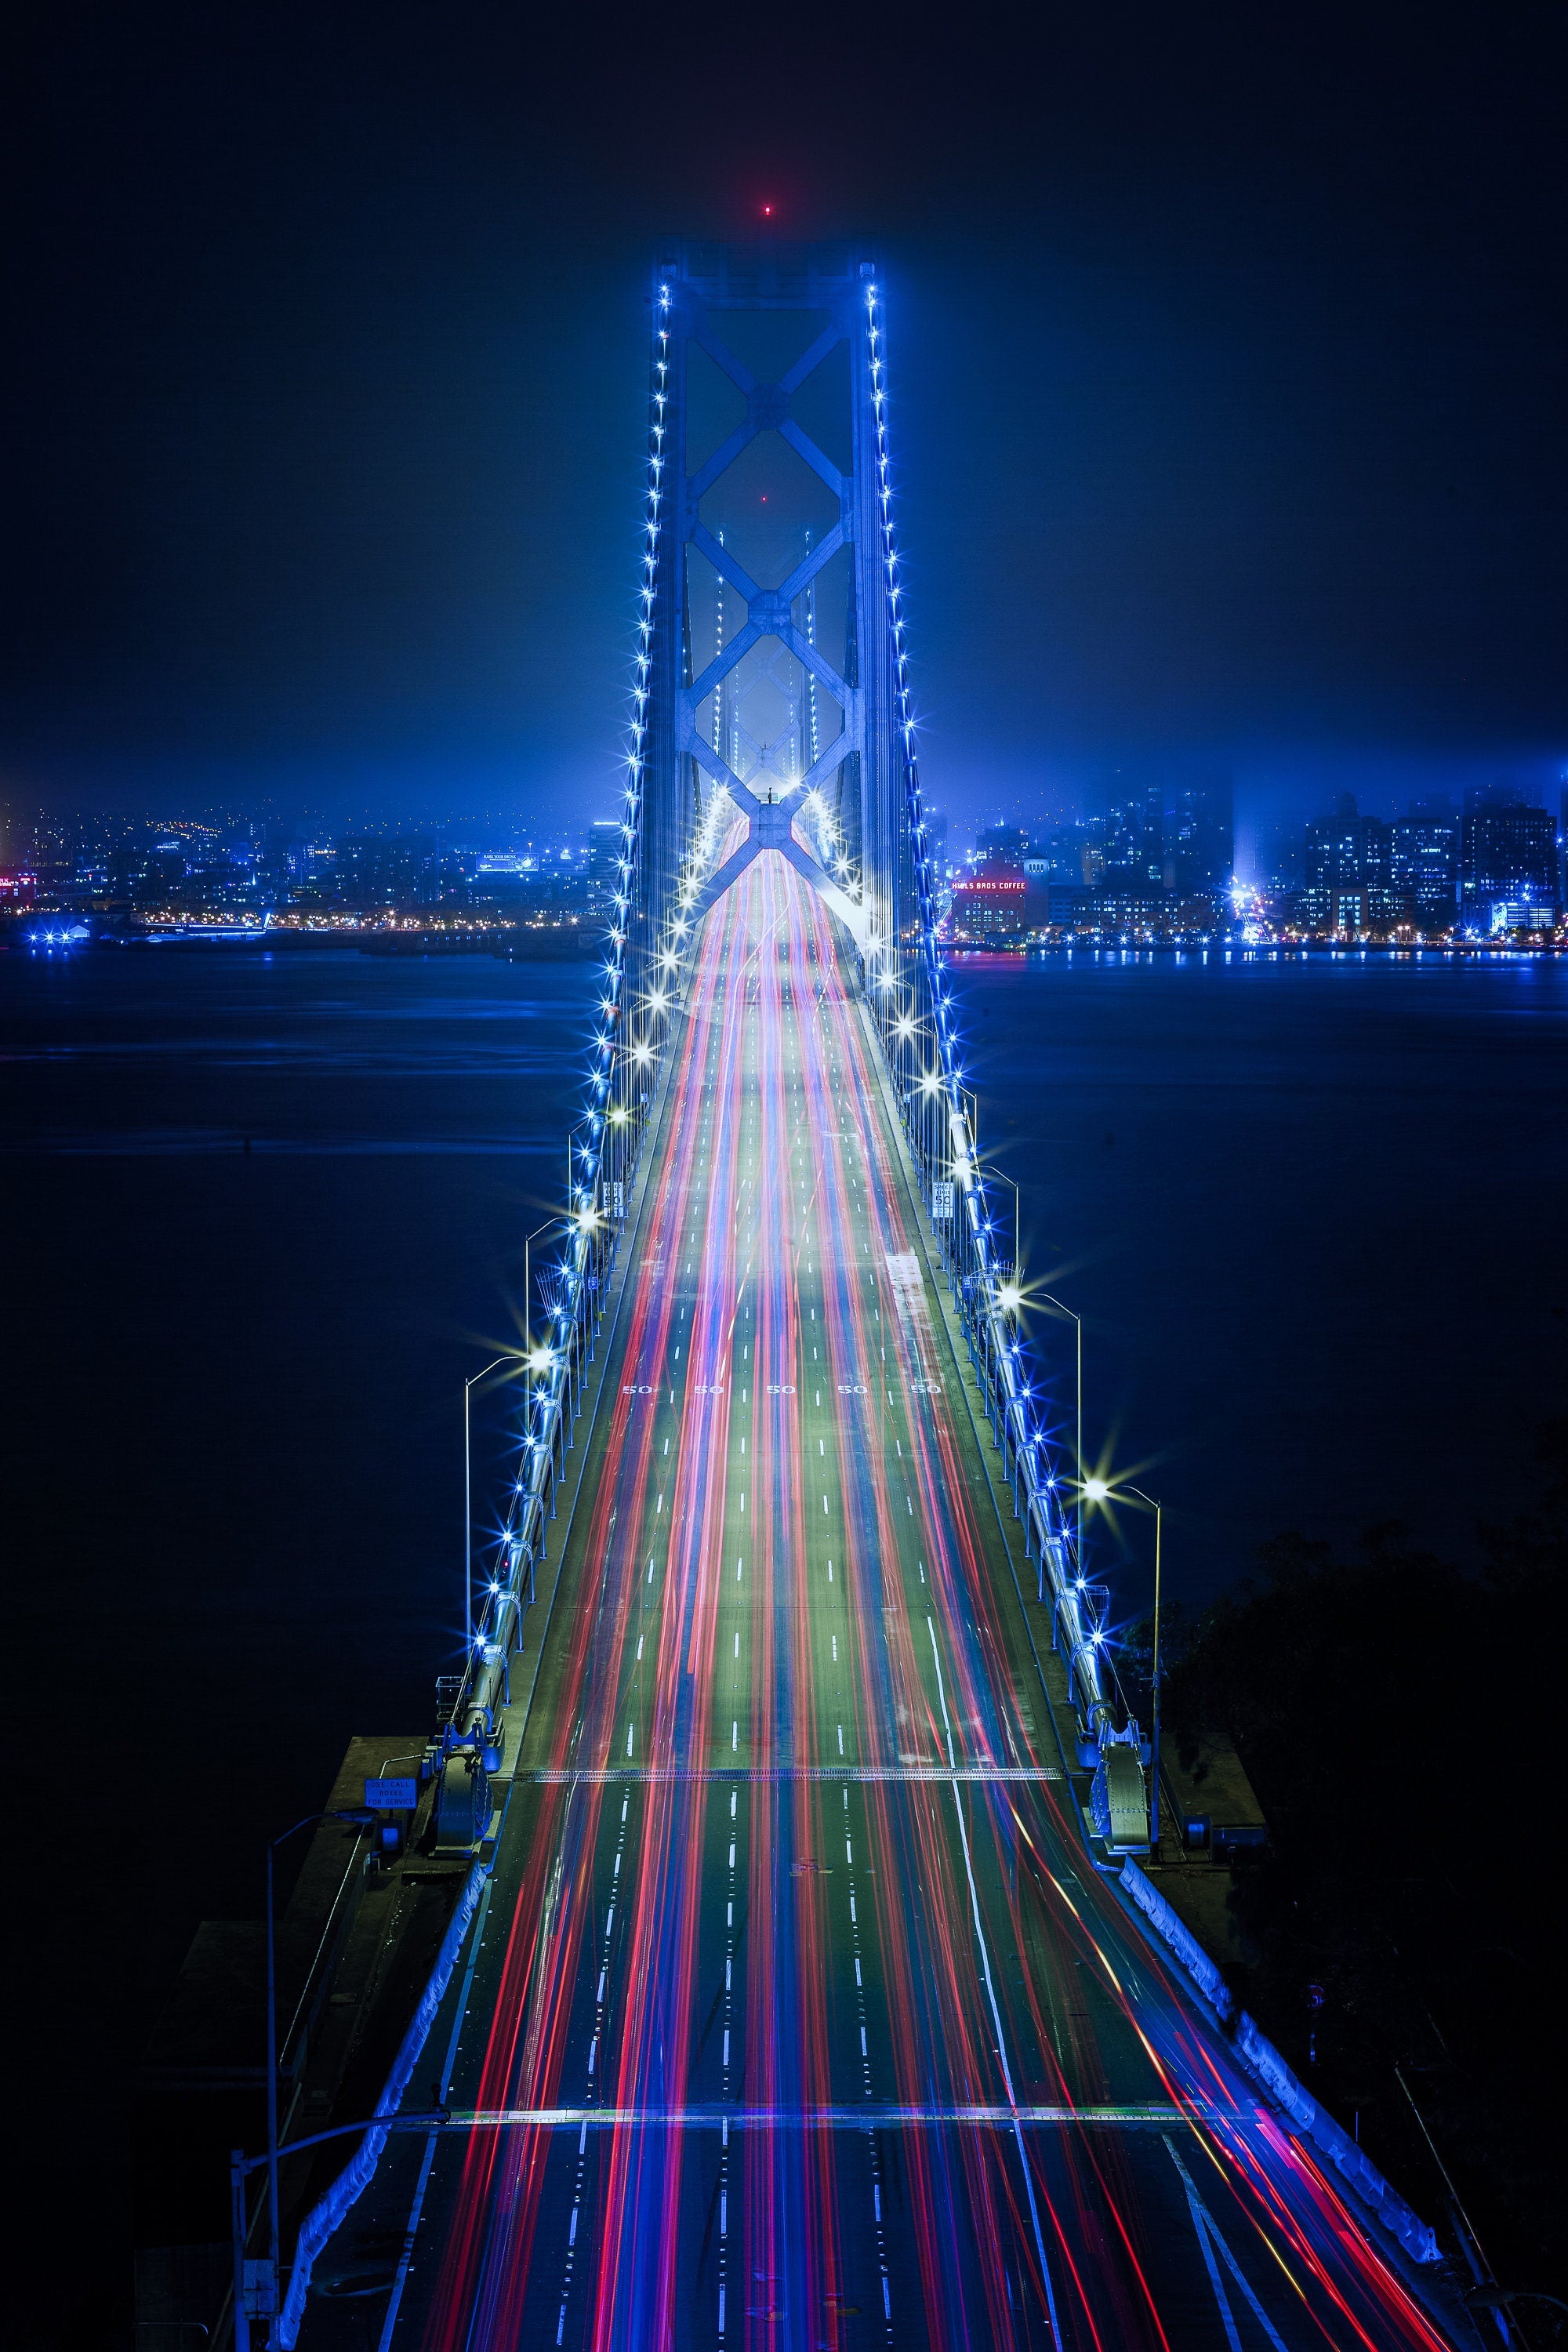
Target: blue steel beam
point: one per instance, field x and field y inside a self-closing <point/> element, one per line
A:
<point x="886" y="902"/>
<point x="675" y="869"/>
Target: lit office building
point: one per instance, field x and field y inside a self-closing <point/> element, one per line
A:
<point x="1424" y="864"/>
<point x="1508" y="857"/>
<point x="1349" y="861"/>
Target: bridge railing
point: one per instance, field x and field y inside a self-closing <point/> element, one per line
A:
<point x="636" y="1000"/>
<point x="910" y="990"/>
<point x="987" y="1293"/>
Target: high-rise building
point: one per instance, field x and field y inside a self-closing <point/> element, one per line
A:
<point x="990" y="905"/>
<point x="1499" y="795"/>
<point x="1072" y="854"/>
<point x="935" y="821"/>
<point x="386" y="870"/>
<point x="1424" y="864"/>
<point x="1008" y="843"/>
<point x="606" y="853"/>
<point x="1508" y="857"/>
<point x="1348" y="859"/>
<point x="1198" y="847"/>
<point x="990" y="902"/>
<point x="1132" y="840"/>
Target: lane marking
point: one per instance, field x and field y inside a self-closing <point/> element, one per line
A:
<point x="568" y="1774"/>
<point x="1207" y="2229"/>
<point x="996" y="2011"/>
<point x="1131" y="2115"/>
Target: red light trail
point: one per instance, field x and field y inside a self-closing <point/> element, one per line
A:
<point x="810" y="2019"/>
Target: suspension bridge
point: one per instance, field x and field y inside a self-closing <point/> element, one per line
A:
<point x="802" y="1986"/>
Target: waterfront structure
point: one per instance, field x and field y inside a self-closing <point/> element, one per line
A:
<point x="991" y="900"/>
<point x="1348" y="859"/>
<point x="607" y="863"/>
<point x="1424" y="864"/>
<point x="1508" y="859"/>
<point x="791" y="1977"/>
<point x="385" y="870"/>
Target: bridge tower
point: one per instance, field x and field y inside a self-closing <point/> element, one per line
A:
<point x="778" y="693"/>
<point x="773" y="675"/>
<point x="772" y="713"/>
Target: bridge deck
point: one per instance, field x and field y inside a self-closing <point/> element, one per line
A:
<point x="812" y="2021"/>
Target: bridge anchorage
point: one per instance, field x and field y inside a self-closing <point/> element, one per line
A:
<point x="772" y="1947"/>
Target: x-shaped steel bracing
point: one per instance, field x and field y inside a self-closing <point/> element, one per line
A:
<point x="769" y="614"/>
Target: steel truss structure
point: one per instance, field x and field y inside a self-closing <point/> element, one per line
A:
<point x="760" y="359"/>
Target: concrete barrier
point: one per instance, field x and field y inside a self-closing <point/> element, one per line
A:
<point x="1282" y="2086"/>
<point x="327" y="2214"/>
<point x="1179" y="1937"/>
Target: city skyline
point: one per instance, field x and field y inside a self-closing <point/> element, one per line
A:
<point x="1157" y="860"/>
<point x="328" y="504"/>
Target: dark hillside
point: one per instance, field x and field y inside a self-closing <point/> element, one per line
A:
<point x="1402" y="1722"/>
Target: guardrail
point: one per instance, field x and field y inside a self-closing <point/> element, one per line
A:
<point x="605" y="1151"/>
<point x="907" y="984"/>
<point x="1282" y="2084"/>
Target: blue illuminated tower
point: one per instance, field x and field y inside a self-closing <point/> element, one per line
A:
<point x="771" y="711"/>
<point x="771" y="511"/>
<point x="771" y="479"/>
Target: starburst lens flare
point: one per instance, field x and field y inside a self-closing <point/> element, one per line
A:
<point x="800" y="2016"/>
<point x="728" y="2051"/>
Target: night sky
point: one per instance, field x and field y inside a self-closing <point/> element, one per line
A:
<point x="1228" y="364"/>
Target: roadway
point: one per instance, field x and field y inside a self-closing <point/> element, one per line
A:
<point x="818" y="2025"/>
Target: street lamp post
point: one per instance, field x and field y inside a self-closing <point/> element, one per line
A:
<point x="575" y="1151"/>
<point x="989" y="1168"/>
<point x="528" y="1241"/>
<point x="589" y="1225"/>
<point x="922" y="1099"/>
<point x="1103" y="1492"/>
<point x="571" y="1134"/>
<point x="1062" y="1309"/>
<point x="241" y="2166"/>
<point x="1154" y="1780"/>
<point x="532" y="1355"/>
<point x="1008" y="1295"/>
<point x="469" y="1386"/>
